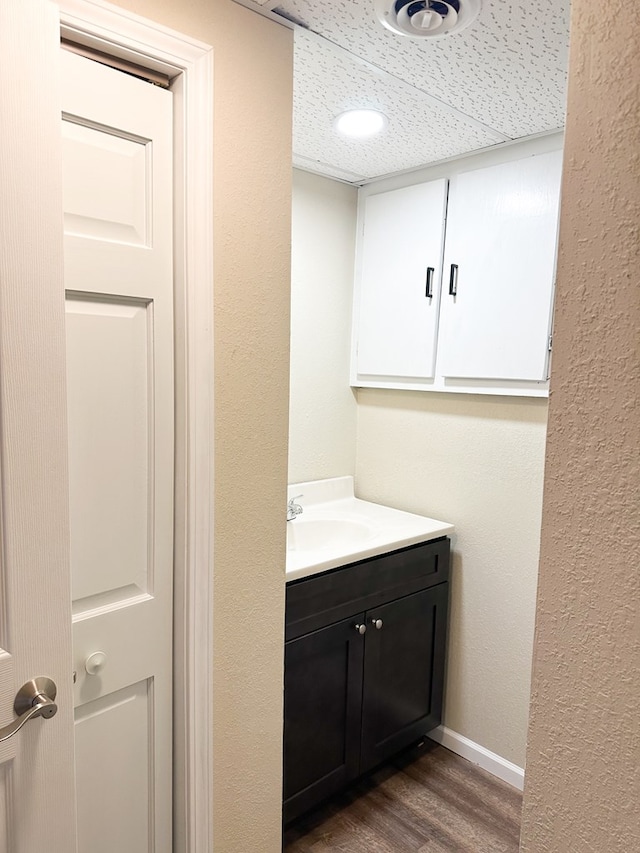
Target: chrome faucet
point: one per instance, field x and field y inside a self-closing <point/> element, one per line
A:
<point x="293" y="508"/>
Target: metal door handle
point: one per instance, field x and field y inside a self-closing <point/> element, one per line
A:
<point x="34" y="699"/>
<point x="429" y="285"/>
<point x="453" y="280"/>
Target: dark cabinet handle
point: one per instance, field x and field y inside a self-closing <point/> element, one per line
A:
<point x="429" y="290"/>
<point x="453" y="280"/>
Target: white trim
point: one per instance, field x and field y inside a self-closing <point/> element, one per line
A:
<point x="484" y="758"/>
<point x="95" y="22"/>
<point x="190" y="65"/>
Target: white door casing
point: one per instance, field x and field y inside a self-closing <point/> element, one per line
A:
<point x="36" y="765"/>
<point x="117" y="204"/>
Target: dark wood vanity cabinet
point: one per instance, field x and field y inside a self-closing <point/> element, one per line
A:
<point x="364" y="667"/>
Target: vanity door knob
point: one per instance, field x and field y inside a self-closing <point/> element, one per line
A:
<point x="377" y="624"/>
<point x="361" y="629"/>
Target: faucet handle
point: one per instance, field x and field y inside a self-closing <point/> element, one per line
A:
<point x="293" y="509"/>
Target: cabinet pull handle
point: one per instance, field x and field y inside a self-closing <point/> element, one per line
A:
<point x="453" y="280"/>
<point x="429" y="288"/>
<point x="377" y="624"/>
<point x="361" y="629"/>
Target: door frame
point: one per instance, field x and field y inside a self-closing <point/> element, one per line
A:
<point x="189" y="64"/>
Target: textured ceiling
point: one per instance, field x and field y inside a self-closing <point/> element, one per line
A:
<point x="504" y="77"/>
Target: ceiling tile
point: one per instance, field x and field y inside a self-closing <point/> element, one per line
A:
<point x="507" y="70"/>
<point x="330" y="81"/>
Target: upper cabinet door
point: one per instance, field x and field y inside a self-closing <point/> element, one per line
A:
<point x="400" y="267"/>
<point x="499" y="270"/>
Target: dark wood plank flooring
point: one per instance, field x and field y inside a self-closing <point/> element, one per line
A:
<point x="427" y="801"/>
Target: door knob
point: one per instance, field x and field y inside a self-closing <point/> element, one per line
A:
<point x="95" y="663"/>
<point x="361" y="629"/>
<point x="377" y="624"/>
<point x="34" y="699"/>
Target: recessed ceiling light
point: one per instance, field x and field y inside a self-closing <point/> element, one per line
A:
<point x="360" y="124"/>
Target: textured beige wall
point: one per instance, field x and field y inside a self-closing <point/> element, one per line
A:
<point x="322" y="417"/>
<point x="252" y="201"/>
<point x="476" y="461"/>
<point x="582" y="787"/>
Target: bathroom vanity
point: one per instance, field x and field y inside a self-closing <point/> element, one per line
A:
<point x="365" y="642"/>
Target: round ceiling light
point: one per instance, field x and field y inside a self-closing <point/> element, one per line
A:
<point x="360" y="124"/>
<point x="426" y="18"/>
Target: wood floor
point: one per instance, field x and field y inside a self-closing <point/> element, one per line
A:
<point x="428" y="801"/>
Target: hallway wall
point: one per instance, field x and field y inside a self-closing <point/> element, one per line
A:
<point x="582" y="786"/>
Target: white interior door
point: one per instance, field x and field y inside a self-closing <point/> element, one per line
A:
<point x="117" y="182"/>
<point x="36" y="764"/>
<point x="399" y="293"/>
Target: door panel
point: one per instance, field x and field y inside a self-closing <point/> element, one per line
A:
<point x="403" y="673"/>
<point x="323" y="694"/>
<point x="116" y="169"/>
<point x="113" y="732"/>
<point x="109" y="355"/>
<point x="397" y="325"/>
<point x="501" y="232"/>
<point x="119" y="309"/>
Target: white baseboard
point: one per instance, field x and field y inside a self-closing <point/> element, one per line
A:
<point x="489" y="761"/>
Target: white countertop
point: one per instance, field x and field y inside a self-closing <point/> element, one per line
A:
<point x="336" y="528"/>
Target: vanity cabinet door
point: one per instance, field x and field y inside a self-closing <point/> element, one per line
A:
<point x="322" y="713"/>
<point x="403" y="673"/>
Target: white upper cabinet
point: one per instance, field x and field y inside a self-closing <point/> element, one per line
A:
<point x="499" y="270"/>
<point x="401" y="267"/>
<point x="477" y="320"/>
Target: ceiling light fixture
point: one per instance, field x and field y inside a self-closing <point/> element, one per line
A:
<point x="426" y="18"/>
<point x="360" y="124"/>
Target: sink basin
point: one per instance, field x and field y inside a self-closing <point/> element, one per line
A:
<point x="336" y="528"/>
<point x="314" y="534"/>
